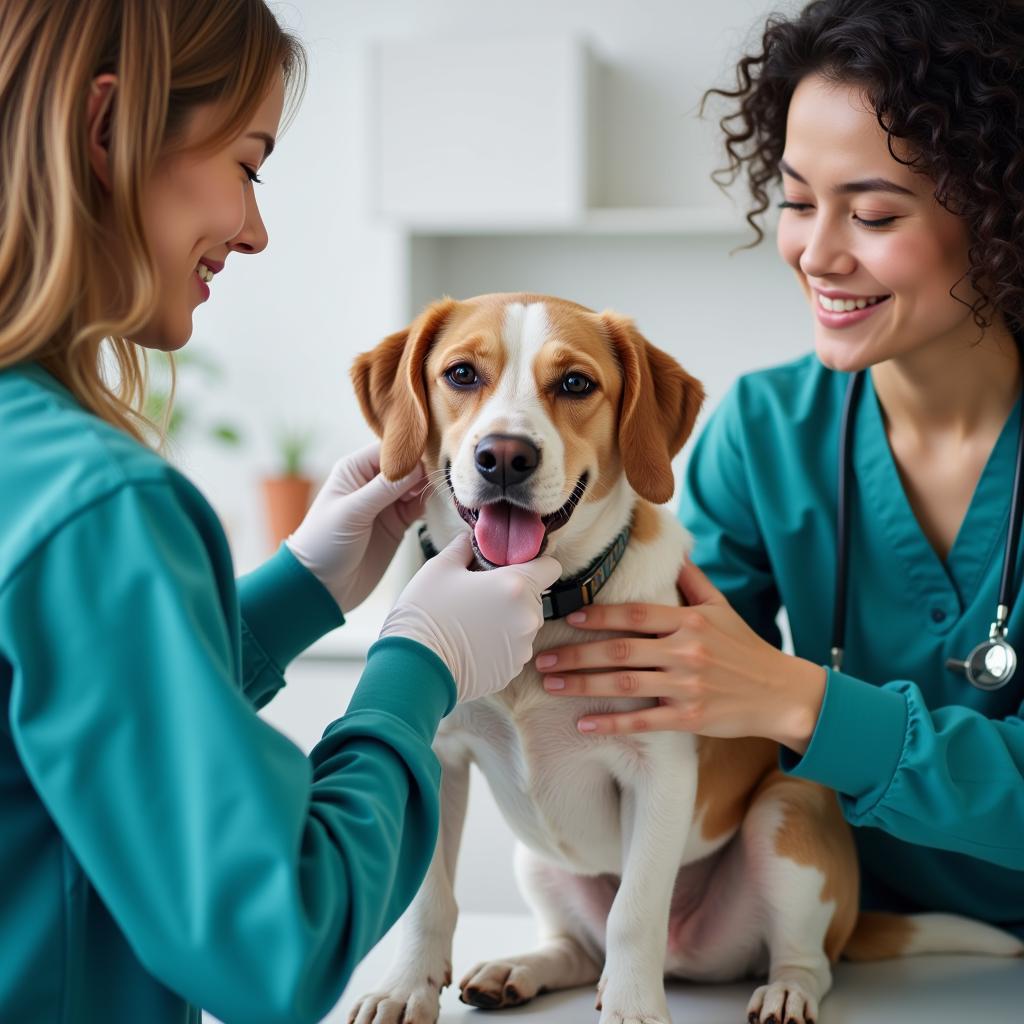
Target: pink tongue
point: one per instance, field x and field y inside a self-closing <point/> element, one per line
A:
<point x="507" y="534"/>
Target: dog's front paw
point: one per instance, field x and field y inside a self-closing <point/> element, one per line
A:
<point x="626" y="1004"/>
<point x="494" y="984"/>
<point x="402" y="1001"/>
<point x="782" y="1002"/>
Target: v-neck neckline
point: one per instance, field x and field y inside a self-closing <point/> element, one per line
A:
<point x="982" y="530"/>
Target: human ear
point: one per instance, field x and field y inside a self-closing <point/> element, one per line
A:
<point x="99" y="111"/>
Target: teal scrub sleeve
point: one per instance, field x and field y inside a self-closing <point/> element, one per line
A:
<point x="284" y="609"/>
<point x="716" y="508"/>
<point x="247" y="878"/>
<point x="949" y="778"/>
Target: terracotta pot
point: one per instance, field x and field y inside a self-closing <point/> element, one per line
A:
<point x="286" y="499"/>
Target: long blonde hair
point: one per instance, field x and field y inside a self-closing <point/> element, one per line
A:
<point x="169" y="56"/>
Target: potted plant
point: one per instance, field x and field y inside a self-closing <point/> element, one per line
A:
<point x="287" y="494"/>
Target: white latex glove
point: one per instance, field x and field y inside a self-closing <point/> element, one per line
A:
<point x="481" y="624"/>
<point x="354" y="526"/>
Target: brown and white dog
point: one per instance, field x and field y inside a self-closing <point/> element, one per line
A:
<point x="549" y="427"/>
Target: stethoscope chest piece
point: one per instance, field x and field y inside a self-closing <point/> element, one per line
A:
<point x="991" y="665"/>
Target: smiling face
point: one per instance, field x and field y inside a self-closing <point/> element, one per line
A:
<point x="199" y="207"/>
<point x="874" y="252"/>
<point x="535" y="416"/>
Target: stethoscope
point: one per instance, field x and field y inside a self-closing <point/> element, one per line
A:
<point x="992" y="663"/>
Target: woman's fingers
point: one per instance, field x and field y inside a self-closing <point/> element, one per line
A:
<point x="652" y="719"/>
<point x="656" y="619"/>
<point x="653" y="619"/>
<point x="599" y="654"/>
<point x="626" y="683"/>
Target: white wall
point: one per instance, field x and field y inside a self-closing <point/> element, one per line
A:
<point x="287" y="325"/>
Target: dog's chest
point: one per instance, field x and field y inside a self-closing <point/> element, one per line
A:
<point x="559" y="789"/>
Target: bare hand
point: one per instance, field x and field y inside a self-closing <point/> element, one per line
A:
<point x="710" y="672"/>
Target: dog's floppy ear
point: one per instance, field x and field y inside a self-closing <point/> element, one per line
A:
<point x="660" y="403"/>
<point x="392" y="392"/>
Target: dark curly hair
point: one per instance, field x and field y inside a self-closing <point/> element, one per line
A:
<point x="944" y="76"/>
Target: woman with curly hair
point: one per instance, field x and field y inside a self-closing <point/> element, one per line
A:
<point x="894" y="133"/>
<point x="163" y="848"/>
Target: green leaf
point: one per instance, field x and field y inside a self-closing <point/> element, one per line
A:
<point x="178" y="420"/>
<point x="226" y="434"/>
<point x="293" y="447"/>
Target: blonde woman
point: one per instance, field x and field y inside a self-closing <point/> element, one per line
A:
<point x="163" y="848"/>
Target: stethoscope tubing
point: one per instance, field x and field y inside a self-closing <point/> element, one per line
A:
<point x="1013" y="534"/>
<point x="853" y="389"/>
<point x="845" y="473"/>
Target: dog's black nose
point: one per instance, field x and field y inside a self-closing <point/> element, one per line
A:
<point x="505" y="460"/>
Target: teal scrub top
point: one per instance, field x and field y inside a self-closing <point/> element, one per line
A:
<point x="163" y="848"/>
<point x="929" y="769"/>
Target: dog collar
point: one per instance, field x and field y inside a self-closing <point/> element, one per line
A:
<point x="567" y="596"/>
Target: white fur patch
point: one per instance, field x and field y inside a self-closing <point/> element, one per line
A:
<point x="948" y="933"/>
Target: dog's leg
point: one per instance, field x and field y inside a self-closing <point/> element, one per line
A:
<point x="657" y="810"/>
<point x="566" y="907"/>
<point x="411" y="992"/>
<point x="800" y="854"/>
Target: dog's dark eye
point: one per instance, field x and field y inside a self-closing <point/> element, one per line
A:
<point x="577" y="384"/>
<point x="462" y="376"/>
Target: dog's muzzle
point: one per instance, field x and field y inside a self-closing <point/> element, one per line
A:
<point x="506" y="531"/>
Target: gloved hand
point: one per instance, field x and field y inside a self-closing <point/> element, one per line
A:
<point x="481" y="624"/>
<point x="353" y="528"/>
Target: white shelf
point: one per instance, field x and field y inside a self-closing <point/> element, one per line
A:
<point x="653" y="220"/>
<point x="641" y="220"/>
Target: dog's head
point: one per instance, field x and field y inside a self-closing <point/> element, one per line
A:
<point x="532" y="409"/>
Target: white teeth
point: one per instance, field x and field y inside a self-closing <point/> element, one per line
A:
<point x="846" y="305"/>
<point x="204" y="272"/>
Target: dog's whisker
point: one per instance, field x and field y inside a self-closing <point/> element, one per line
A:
<point x="436" y="480"/>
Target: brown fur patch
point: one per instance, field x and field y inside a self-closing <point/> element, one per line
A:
<point x="473" y="335"/>
<point x="390" y="387"/>
<point x="645" y="527"/>
<point x="729" y="772"/>
<point x="814" y="833"/>
<point x="879" y="936"/>
<point x="660" y="403"/>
